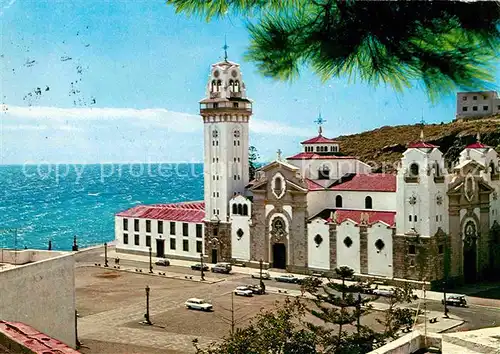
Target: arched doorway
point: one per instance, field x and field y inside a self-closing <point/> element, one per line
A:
<point x="279" y="255"/>
<point x="470" y="252"/>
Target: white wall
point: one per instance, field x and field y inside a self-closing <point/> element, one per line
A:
<point x="41" y="295"/>
<point x="380" y="262"/>
<point x="320" y="200"/>
<point x="318" y="256"/>
<point x="338" y="167"/>
<point x="192" y="239"/>
<point x="348" y="256"/>
<point x="240" y="248"/>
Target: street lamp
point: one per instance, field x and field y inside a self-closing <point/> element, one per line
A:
<point x="146" y="315"/>
<point x="105" y="254"/>
<point x="201" y="267"/>
<point x="262" y="286"/>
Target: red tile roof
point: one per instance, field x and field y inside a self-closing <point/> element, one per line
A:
<point x="27" y="339"/>
<point x="421" y="144"/>
<point x="313" y="186"/>
<point x="312" y="156"/>
<point x="477" y="145"/>
<point x="187" y="212"/>
<point x="320" y="139"/>
<point x="373" y="182"/>
<point x="387" y="217"/>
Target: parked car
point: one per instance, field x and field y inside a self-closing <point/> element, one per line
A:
<point x="287" y="278"/>
<point x="198" y="304"/>
<point x="197" y="266"/>
<point x="257" y="290"/>
<point x="455" y="300"/>
<point x="163" y="262"/>
<point x="222" y="268"/>
<point x="383" y="292"/>
<point x="243" y="291"/>
<point x="265" y="275"/>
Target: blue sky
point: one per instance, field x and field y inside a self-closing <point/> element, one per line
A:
<point x="124" y="79"/>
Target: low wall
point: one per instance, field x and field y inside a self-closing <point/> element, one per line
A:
<point x="27" y="256"/>
<point x="41" y="295"/>
<point x="410" y="343"/>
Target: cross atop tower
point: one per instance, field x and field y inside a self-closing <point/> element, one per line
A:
<point x="225" y="47"/>
<point x="319" y="121"/>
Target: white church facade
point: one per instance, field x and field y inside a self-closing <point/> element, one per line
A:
<point x="318" y="210"/>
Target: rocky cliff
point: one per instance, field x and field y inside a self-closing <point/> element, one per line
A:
<point x="383" y="147"/>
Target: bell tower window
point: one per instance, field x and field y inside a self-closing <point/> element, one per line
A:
<point x="213" y="86"/>
<point x="414" y="169"/>
<point x="219" y="85"/>
<point x="236" y="86"/>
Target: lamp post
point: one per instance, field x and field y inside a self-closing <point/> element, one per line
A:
<point x="146" y="315"/>
<point x="105" y="254"/>
<point x="75" y="245"/>
<point x="262" y="286"/>
<point x="50" y="245"/>
<point x="150" y="260"/>
<point x="201" y="267"/>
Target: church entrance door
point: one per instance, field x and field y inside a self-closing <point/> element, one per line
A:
<point x="470" y="253"/>
<point x="214" y="255"/>
<point x="160" y="248"/>
<point x="279" y="255"/>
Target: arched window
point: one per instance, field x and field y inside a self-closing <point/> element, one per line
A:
<point x="324" y="172"/>
<point x="492" y="168"/>
<point x="437" y="170"/>
<point x="245" y="209"/>
<point x="414" y="169"/>
<point x="278" y="185"/>
<point x="240" y="209"/>
<point x="236" y="86"/>
<point x="219" y="85"/>
<point x="212" y="89"/>
<point x="231" y="85"/>
<point x="368" y="203"/>
<point x="235" y="209"/>
<point x="338" y="201"/>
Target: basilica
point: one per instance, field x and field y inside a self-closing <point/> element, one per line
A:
<point x="319" y="209"/>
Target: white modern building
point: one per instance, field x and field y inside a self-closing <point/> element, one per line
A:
<point x="319" y="209"/>
<point x="477" y="104"/>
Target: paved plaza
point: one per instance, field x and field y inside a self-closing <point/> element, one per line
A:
<point x="111" y="305"/>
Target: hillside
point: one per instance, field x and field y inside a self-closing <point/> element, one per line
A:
<point x="385" y="145"/>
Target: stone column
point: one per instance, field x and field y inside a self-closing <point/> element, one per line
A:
<point x="483" y="245"/>
<point x="455" y="238"/>
<point x="333" y="245"/>
<point x="363" y="248"/>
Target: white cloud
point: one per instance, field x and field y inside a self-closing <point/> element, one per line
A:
<point x="159" y="117"/>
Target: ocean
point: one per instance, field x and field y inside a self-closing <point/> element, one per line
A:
<point x="46" y="202"/>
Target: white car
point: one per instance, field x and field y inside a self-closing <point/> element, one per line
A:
<point x="198" y="304"/>
<point x="383" y="292"/>
<point x="243" y="291"/>
<point x="265" y="275"/>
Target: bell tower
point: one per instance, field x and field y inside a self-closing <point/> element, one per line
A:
<point x="226" y="112"/>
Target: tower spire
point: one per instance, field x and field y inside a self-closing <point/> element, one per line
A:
<point x="225" y="47"/>
<point x="422" y="124"/>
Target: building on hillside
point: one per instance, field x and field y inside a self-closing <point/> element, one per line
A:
<point x="318" y="209"/>
<point x="477" y="104"/>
